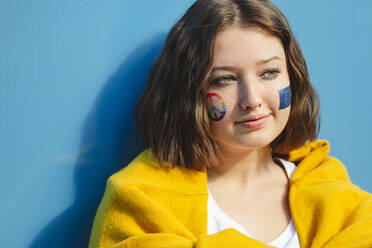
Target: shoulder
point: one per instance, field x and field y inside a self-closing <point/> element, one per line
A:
<point x="314" y="163"/>
<point x="319" y="174"/>
<point x="145" y="197"/>
<point x="145" y="173"/>
<point x="322" y="194"/>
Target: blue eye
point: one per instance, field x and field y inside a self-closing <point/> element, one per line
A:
<point x="270" y="74"/>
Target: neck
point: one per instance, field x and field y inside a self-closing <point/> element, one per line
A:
<point x="241" y="168"/>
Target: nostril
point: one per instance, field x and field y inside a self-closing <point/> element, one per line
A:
<point x="250" y="104"/>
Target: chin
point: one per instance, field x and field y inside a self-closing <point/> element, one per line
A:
<point x="256" y="141"/>
<point x="254" y="145"/>
<point x="246" y="145"/>
<point x="247" y="141"/>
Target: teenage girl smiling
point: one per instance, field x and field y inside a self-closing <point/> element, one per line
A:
<point x="230" y="118"/>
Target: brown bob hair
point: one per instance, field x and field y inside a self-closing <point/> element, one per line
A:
<point x="171" y="112"/>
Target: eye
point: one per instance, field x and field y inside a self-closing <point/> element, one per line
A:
<point x="270" y="74"/>
<point x="225" y="79"/>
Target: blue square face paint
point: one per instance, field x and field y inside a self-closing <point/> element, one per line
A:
<point x="285" y="97"/>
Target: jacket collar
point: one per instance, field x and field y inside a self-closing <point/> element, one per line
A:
<point x="178" y="179"/>
<point x="170" y="186"/>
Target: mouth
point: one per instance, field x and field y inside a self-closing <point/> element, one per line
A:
<point x="253" y="121"/>
<point x="252" y="118"/>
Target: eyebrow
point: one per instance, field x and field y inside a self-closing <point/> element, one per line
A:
<point x="232" y="68"/>
<point x="265" y="61"/>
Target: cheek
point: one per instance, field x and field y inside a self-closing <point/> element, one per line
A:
<point x="285" y="97"/>
<point x="283" y="106"/>
<point x="279" y="99"/>
<point x="216" y="106"/>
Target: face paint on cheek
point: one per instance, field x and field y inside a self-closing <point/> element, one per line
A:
<point x="216" y="106"/>
<point x="285" y="97"/>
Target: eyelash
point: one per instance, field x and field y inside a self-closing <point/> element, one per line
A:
<point x="217" y="81"/>
<point x="273" y="70"/>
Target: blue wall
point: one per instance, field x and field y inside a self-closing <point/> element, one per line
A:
<point x="70" y="72"/>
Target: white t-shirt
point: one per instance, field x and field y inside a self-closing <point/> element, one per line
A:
<point x="218" y="220"/>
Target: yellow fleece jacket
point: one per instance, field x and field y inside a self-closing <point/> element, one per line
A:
<point x="147" y="206"/>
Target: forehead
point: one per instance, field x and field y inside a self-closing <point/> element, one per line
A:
<point x="236" y="45"/>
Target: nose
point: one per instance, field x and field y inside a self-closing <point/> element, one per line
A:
<point x="250" y="95"/>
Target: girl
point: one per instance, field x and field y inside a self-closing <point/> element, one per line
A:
<point x="230" y="118"/>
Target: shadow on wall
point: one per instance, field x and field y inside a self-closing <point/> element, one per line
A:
<point x="108" y="141"/>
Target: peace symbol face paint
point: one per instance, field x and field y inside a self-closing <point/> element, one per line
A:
<point x="216" y="106"/>
<point x="285" y="97"/>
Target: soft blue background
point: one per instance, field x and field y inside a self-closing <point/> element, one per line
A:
<point x="70" y="72"/>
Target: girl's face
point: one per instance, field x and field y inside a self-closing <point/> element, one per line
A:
<point x="248" y="100"/>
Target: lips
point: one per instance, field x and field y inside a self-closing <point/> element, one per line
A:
<point x="253" y="121"/>
<point x="252" y="118"/>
